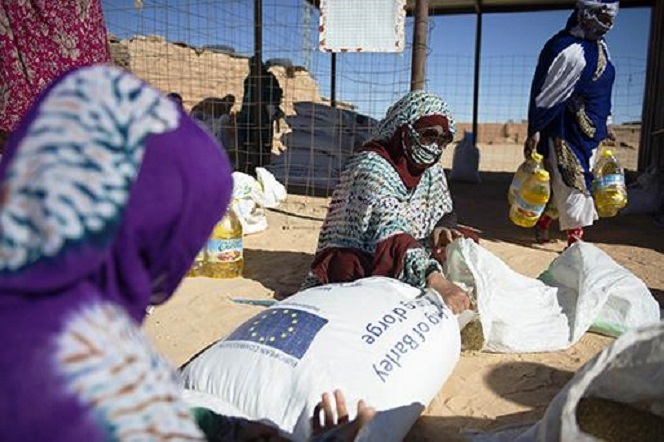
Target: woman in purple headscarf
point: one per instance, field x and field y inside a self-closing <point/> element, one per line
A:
<point x="107" y="192"/>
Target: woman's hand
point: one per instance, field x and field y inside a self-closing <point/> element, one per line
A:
<point x="443" y="236"/>
<point x="453" y="296"/>
<point x="530" y="145"/>
<point x="342" y="429"/>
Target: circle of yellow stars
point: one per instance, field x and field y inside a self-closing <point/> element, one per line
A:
<point x="283" y="335"/>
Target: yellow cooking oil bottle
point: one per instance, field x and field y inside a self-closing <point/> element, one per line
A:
<point x="608" y="187"/>
<point x="531" y="199"/>
<point x="224" y="254"/>
<point x="522" y="173"/>
<point x="198" y="265"/>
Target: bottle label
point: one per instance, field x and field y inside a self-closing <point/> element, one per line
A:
<point x="528" y="209"/>
<point x="224" y="250"/>
<point x="517" y="181"/>
<point x="610" y="180"/>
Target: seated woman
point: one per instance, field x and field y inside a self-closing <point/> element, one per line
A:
<point x="215" y="114"/>
<point x="108" y="190"/>
<point x="392" y="206"/>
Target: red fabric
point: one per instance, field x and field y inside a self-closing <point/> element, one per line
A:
<point x="574" y="235"/>
<point x="432" y="120"/>
<point x="409" y="172"/>
<point x="390" y="255"/>
<point x="544" y="222"/>
<point x="39" y="41"/>
<point x="469" y="232"/>
<point x="346" y="265"/>
<point x="341" y="265"/>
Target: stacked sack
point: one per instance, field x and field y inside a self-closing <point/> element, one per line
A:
<point x="321" y="141"/>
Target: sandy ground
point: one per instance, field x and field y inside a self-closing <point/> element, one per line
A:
<point x="486" y="391"/>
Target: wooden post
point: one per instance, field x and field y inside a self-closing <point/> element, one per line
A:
<point x="419" y="58"/>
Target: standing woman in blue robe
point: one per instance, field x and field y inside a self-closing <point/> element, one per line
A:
<point x="569" y="110"/>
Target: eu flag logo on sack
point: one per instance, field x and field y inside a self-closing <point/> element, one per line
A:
<point x="288" y="330"/>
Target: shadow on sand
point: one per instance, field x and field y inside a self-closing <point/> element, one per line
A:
<point x="278" y="270"/>
<point x="529" y="384"/>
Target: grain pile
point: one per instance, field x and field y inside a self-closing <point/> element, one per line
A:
<point x="618" y="422"/>
<point x="472" y="336"/>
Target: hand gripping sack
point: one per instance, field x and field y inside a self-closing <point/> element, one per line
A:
<point x="376" y="339"/>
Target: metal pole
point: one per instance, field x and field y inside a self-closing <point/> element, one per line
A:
<point x="651" y="148"/>
<point x="419" y="58"/>
<point x="257" y="70"/>
<point x="333" y="81"/>
<point x="476" y="85"/>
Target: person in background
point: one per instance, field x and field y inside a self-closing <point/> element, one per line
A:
<point x="227" y="124"/>
<point x="39" y="41"/>
<point x="215" y="114"/>
<point x="391" y="213"/>
<point x="208" y="111"/>
<point x="570" y="105"/>
<point x="176" y="98"/>
<point x="109" y="191"/>
<point x="255" y="133"/>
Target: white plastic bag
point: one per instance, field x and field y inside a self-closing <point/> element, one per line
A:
<point x="630" y="371"/>
<point x="466" y="161"/>
<point x="582" y="287"/>
<point x="599" y="294"/>
<point x="251" y="197"/>
<point x="517" y="313"/>
<point x="274" y="193"/>
<point x="376" y="339"/>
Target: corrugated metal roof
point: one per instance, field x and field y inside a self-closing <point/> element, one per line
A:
<point x="487" y="6"/>
<point x="443" y="7"/>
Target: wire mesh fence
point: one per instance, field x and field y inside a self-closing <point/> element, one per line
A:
<point x="201" y="49"/>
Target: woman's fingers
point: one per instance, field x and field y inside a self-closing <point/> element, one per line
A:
<point x="449" y="237"/>
<point x="347" y="429"/>
<point x="342" y="410"/>
<point x="364" y="413"/>
<point x="316" y="418"/>
<point x="328" y="410"/>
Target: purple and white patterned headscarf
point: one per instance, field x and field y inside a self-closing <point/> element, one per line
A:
<point x="107" y="171"/>
<point x="107" y="192"/>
